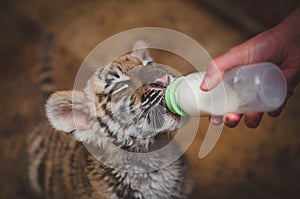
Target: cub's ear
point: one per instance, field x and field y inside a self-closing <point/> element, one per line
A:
<point x="140" y="50"/>
<point x="67" y="111"/>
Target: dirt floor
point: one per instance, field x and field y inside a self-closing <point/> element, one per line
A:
<point x="246" y="163"/>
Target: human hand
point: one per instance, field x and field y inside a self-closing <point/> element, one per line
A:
<point x="280" y="45"/>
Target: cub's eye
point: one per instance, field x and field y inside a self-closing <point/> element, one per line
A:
<point x="120" y="86"/>
<point x="157" y="85"/>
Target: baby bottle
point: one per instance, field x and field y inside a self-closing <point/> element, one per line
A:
<point x="252" y="88"/>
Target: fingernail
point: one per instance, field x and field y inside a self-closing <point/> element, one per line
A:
<point x="216" y="120"/>
<point x="229" y="123"/>
<point x="233" y="117"/>
<point x="204" y="84"/>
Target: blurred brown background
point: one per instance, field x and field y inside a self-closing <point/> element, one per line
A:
<point x="246" y="163"/>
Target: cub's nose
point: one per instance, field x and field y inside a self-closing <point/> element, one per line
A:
<point x="163" y="81"/>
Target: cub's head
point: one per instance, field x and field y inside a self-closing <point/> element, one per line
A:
<point x="122" y="102"/>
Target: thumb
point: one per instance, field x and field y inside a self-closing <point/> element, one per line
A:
<point x="263" y="47"/>
<point x="218" y="66"/>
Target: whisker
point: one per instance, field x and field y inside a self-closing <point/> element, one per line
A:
<point x="133" y="117"/>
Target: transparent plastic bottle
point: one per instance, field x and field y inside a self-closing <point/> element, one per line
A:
<point x="253" y="88"/>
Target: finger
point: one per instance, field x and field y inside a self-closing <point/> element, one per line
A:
<point x="232" y="119"/>
<point x="216" y="120"/>
<point x="252" y="120"/>
<point x="212" y="77"/>
<point x="219" y="65"/>
<point x="257" y="49"/>
<point x="275" y="113"/>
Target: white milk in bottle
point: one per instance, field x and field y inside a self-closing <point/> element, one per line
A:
<point x="252" y="88"/>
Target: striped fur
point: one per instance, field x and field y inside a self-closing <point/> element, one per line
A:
<point x="46" y="69"/>
<point x="121" y="106"/>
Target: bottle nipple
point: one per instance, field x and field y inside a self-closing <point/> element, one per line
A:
<point x="170" y="97"/>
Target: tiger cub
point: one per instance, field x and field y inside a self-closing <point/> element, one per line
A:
<point x="121" y="117"/>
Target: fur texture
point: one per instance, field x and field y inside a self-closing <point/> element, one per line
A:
<point x="121" y="111"/>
